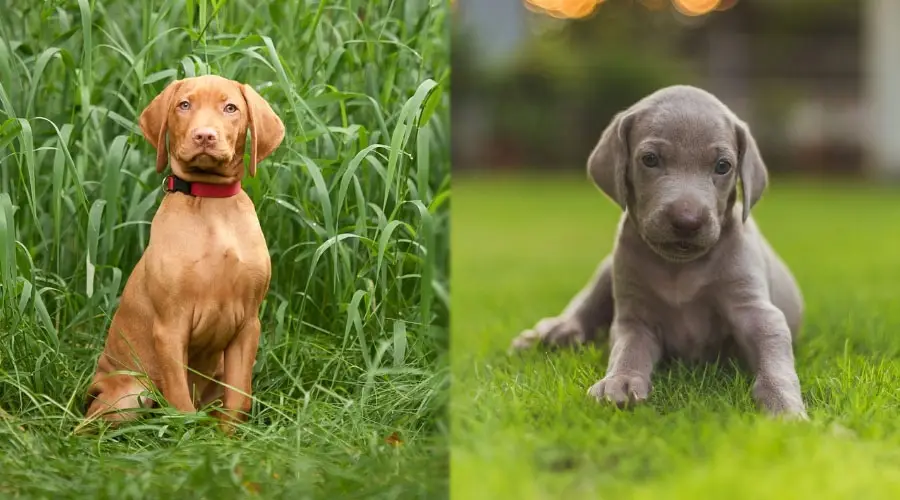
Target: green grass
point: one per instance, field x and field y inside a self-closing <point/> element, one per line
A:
<point x="523" y="427"/>
<point x="354" y="205"/>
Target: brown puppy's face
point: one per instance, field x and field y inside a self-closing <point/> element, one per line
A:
<point x="208" y="123"/>
<point x="206" y="119"/>
<point x="673" y="161"/>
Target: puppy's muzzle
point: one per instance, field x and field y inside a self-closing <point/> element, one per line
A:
<point x="206" y="148"/>
<point x="686" y="219"/>
<point x="205" y="137"/>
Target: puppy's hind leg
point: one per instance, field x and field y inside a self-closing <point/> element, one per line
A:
<point x="113" y="395"/>
<point x="589" y="312"/>
<point x="785" y="292"/>
<point x="213" y="390"/>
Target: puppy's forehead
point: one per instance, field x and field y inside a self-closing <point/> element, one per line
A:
<point x="211" y="87"/>
<point x="688" y="124"/>
<point x="683" y="115"/>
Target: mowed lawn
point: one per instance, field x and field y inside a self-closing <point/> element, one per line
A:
<point x="522" y="427"/>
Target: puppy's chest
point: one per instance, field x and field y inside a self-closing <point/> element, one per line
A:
<point x="228" y="270"/>
<point x="686" y="320"/>
<point x="230" y="281"/>
<point x="214" y="267"/>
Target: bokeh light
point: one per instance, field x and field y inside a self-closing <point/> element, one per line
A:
<point x="578" y="9"/>
<point x="564" y="9"/>
<point x="695" y="7"/>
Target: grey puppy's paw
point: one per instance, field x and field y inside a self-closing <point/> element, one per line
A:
<point x="622" y="389"/>
<point x="777" y="400"/>
<point x="550" y="332"/>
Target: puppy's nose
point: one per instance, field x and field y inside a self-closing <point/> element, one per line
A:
<point x="204" y="136"/>
<point x="686" y="218"/>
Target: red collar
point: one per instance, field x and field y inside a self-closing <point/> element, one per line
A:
<point x="201" y="189"/>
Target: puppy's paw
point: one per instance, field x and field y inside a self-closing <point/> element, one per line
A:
<point x="551" y="332"/>
<point x="781" y="400"/>
<point x="623" y="389"/>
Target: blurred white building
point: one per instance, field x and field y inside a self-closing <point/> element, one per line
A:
<point x="881" y="47"/>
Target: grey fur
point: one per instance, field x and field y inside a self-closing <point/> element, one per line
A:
<point x="724" y="287"/>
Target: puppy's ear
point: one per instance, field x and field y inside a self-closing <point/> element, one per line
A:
<point x="608" y="163"/>
<point x="266" y="129"/>
<point x="751" y="168"/>
<point x="154" y="123"/>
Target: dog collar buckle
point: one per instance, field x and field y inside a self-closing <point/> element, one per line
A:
<point x="174" y="184"/>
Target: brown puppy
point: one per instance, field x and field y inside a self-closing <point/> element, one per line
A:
<point x="188" y="320"/>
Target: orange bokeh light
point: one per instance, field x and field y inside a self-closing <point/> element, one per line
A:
<point x="577" y="9"/>
<point x="695" y="7"/>
<point x="564" y="9"/>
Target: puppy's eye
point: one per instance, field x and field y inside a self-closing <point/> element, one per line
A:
<point x="723" y="167"/>
<point x="184" y="105"/>
<point x="650" y="160"/>
<point x="230" y="108"/>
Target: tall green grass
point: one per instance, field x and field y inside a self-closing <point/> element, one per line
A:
<point x="351" y="373"/>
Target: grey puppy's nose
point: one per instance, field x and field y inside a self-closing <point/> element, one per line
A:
<point x="204" y="136"/>
<point x="686" y="218"/>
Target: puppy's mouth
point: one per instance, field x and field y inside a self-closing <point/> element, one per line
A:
<point x="679" y="250"/>
<point x="205" y="159"/>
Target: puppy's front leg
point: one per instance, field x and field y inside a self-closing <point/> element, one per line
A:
<point x="763" y="334"/>
<point x="635" y="350"/>
<point x="589" y="311"/>
<point x="239" y="358"/>
<point x="170" y="345"/>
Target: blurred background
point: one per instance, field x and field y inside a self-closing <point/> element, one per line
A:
<point x="536" y="81"/>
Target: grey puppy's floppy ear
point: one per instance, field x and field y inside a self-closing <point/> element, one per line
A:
<point x="608" y="163"/>
<point x="751" y="168"/>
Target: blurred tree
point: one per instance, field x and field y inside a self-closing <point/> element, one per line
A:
<point x="545" y="105"/>
<point x="550" y="104"/>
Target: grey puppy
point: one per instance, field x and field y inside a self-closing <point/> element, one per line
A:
<point x="690" y="277"/>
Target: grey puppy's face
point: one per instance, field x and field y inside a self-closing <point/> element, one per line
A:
<point x="673" y="161"/>
<point x="682" y="175"/>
